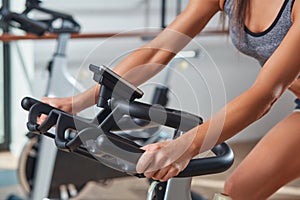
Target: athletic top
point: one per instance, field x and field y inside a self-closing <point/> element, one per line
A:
<point x="261" y="45"/>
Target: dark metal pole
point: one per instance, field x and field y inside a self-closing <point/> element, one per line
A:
<point x="178" y="7"/>
<point x="163" y="13"/>
<point x="6" y="87"/>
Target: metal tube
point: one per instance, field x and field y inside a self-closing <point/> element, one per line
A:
<point x="163" y="13"/>
<point x="6" y="87"/>
<point x="178" y="7"/>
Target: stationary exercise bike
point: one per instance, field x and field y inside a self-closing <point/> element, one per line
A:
<point x="45" y="171"/>
<point x="101" y="138"/>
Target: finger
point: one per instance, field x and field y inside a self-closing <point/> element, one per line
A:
<point x="41" y="119"/>
<point x="150" y="147"/>
<point x="158" y="175"/>
<point x="170" y="174"/>
<point x="150" y="174"/>
<point x="159" y="160"/>
<point x="144" y="162"/>
<point x="151" y="160"/>
<point x="177" y="166"/>
<point x="45" y="100"/>
<point x="49" y="101"/>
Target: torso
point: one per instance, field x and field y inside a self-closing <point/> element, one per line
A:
<point x="262" y="14"/>
<point x="264" y="28"/>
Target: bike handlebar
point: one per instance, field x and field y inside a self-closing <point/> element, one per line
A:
<point x="98" y="138"/>
<point x="112" y="144"/>
<point x="203" y="166"/>
<point x="222" y="161"/>
<point x="28" y="102"/>
<point x="40" y="27"/>
<point x="21" y="21"/>
<point x="37" y="108"/>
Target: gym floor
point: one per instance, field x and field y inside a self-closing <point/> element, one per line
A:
<point x="132" y="188"/>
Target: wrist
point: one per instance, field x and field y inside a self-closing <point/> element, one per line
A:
<point x="85" y="99"/>
<point x="77" y="104"/>
<point x="194" y="149"/>
<point x="196" y="136"/>
<point x="190" y="140"/>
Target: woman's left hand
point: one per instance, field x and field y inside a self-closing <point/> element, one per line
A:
<point x="164" y="160"/>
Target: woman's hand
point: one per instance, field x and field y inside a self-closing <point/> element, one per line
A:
<point x="64" y="104"/>
<point x="164" y="160"/>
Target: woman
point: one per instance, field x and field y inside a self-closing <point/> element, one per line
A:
<point x="267" y="30"/>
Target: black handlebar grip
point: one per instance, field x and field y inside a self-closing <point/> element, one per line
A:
<point x="203" y="166"/>
<point x="28" y="102"/>
<point x="221" y="162"/>
<point x="36" y="108"/>
<point x="23" y="22"/>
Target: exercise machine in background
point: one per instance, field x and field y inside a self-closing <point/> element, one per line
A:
<point x="43" y="170"/>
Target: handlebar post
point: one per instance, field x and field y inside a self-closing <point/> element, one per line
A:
<point x="104" y="97"/>
<point x="61" y="47"/>
<point x="32" y="3"/>
<point x="111" y="120"/>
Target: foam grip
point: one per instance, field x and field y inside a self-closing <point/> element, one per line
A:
<point x="28" y="102"/>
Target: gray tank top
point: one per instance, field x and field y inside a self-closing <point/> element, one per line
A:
<point x="261" y="45"/>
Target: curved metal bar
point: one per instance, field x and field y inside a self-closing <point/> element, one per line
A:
<point x="10" y="37"/>
<point x="221" y="162"/>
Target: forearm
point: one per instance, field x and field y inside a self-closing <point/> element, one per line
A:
<point x="140" y="66"/>
<point x="231" y="119"/>
<point x="151" y="58"/>
<point x="278" y="74"/>
<point x="86" y="99"/>
<point x="136" y="68"/>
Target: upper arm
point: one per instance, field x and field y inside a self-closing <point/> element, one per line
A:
<point x="186" y="26"/>
<point x="170" y="41"/>
<point x="195" y="16"/>
<point x="283" y="67"/>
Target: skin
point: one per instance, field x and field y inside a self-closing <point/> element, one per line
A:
<point x="257" y="177"/>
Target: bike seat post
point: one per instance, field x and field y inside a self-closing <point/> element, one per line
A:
<point x="48" y="151"/>
<point x="62" y="41"/>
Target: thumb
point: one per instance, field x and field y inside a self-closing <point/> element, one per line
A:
<point x="144" y="162"/>
<point x="150" y="147"/>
